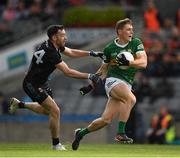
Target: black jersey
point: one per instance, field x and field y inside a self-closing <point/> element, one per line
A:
<point x="43" y="63"/>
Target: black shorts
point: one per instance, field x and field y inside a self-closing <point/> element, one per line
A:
<point x="38" y="93"/>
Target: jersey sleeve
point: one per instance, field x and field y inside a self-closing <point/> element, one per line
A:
<point x="55" y="58"/>
<point x="139" y="46"/>
<point x="106" y="56"/>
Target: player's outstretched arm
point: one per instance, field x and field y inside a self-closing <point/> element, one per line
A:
<point x="81" y="53"/>
<point x="76" y="74"/>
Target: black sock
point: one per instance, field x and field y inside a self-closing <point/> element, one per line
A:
<point x="55" y="141"/>
<point x="21" y="105"/>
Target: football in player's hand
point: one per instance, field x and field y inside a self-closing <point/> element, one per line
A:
<point x="127" y="55"/>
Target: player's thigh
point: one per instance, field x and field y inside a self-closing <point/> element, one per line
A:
<point x="121" y="92"/>
<point x="111" y="109"/>
<point x="38" y="94"/>
<point x="47" y="89"/>
<point x="50" y="105"/>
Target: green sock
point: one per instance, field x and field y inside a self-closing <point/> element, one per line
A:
<point x="84" y="131"/>
<point x="121" y="127"/>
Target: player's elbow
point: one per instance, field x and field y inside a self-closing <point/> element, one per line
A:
<point x="144" y="65"/>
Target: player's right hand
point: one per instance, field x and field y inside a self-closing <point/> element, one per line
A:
<point x="122" y="61"/>
<point x="94" y="78"/>
<point x="96" y="54"/>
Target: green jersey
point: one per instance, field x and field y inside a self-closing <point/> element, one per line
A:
<point x="110" y="53"/>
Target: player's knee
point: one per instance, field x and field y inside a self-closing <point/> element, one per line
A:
<point x="130" y="100"/>
<point x="106" y="120"/>
<point x="133" y="100"/>
<point x="56" y="111"/>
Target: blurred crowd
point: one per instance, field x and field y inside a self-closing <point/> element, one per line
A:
<point x="161" y="38"/>
<point x="40" y="12"/>
<point x="12" y="12"/>
<point x="162" y="129"/>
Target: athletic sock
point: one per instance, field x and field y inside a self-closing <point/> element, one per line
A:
<point x="84" y="131"/>
<point x="55" y="141"/>
<point x="21" y="105"/>
<point x="121" y="127"/>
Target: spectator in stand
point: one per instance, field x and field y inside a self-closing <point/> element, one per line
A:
<point x="162" y="128"/>
<point x="152" y="17"/>
<point x="10" y="13"/>
<point x="50" y="8"/>
<point x="35" y="10"/>
<point x="151" y="132"/>
<point x="167" y="29"/>
<point x="157" y="46"/>
<point x="174" y="41"/>
<point x="22" y="12"/>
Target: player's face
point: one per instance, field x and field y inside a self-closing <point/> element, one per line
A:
<point x="126" y="33"/>
<point x="61" y="38"/>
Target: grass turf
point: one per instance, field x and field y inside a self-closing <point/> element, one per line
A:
<point x="89" y="150"/>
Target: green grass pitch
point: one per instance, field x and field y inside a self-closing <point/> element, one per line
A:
<point x="89" y="150"/>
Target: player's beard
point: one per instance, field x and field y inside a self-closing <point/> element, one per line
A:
<point x="61" y="44"/>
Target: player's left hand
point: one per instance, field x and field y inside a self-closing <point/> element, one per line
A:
<point x="96" y="54"/>
<point x="94" y="78"/>
<point x="122" y="61"/>
<point x="85" y="90"/>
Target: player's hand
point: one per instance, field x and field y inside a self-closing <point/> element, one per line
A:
<point x="96" y="54"/>
<point x="86" y="90"/>
<point x="94" y="78"/>
<point x="122" y="61"/>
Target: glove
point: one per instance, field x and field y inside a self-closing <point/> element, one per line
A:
<point x="94" y="78"/>
<point x="96" y="54"/>
<point x="122" y="61"/>
<point x="85" y="90"/>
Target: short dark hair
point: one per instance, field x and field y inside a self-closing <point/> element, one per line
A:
<point x="120" y="24"/>
<point x="53" y="29"/>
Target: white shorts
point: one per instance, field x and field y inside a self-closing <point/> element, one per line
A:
<point x="112" y="81"/>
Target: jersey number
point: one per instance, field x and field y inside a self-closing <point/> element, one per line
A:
<point x="39" y="55"/>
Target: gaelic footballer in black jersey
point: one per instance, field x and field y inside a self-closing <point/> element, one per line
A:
<point x="44" y="61"/>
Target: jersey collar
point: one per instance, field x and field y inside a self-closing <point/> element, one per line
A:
<point x="119" y="45"/>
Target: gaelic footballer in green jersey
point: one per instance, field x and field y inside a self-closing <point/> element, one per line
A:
<point x="118" y="82"/>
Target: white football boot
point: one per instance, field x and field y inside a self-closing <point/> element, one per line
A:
<point x="13" y="105"/>
<point x="58" y="147"/>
